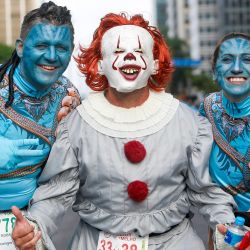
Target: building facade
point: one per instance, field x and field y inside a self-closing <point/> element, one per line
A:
<point x="202" y="22"/>
<point x="11" y="17"/>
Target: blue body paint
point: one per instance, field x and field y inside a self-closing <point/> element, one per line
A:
<point x="232" y="69"/>
<point x="45" y="54"/>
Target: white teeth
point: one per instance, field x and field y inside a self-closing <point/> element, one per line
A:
<point x="237" y="79"/>
<point x="130" y="71"/>
<point x="48" y="67"/>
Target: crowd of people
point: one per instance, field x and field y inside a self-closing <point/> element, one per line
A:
<point x="129" y="159"/>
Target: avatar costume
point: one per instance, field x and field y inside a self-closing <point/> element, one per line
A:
<point x="230" y="157"/>
<point x="32" y="115"/>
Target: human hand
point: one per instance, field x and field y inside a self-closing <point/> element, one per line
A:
<point x="23" y="233"/>
<point x="14" y="153"/>
<point x="223" y="229"/>
<point x="69" y="102"/>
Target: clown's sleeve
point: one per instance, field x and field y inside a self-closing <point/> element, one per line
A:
<point x="58" y="185"/>
<point x="202" y="110"/>
<point x="213" y="203"/>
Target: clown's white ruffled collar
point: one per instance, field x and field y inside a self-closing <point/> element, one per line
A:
<point x="115" y="121"/>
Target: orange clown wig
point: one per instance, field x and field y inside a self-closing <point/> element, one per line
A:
<point x="88" y="58"/>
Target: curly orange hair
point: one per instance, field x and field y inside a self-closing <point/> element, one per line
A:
<point x="88" y="58"/>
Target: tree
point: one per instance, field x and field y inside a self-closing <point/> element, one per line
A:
<point x="5" y="52"/>
<point x="181" y="76"/>
<point x="204" y="83"/>
<point x="183" y="79"/>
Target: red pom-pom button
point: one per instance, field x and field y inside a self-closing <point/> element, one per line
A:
<point x="134" y="151"/>
<point x="137" y="190"/>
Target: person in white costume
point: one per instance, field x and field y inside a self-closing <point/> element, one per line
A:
<point x="131" y="159"/>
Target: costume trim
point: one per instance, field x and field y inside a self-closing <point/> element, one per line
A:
<point x="146" y="119"/>
<point x="239" y="189"/>
<point x="29" y="125"/>
<point x="25" y="123"/>
<point x="22" y="171"/>
<point x="224" y="146"/>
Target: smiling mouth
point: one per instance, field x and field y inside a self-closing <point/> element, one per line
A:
<point x="130" y="72"/>
<point x="236" y="80"/>
<point x="47" y="68"/>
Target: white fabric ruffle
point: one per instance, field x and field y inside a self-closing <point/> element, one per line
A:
<point x="143" y="120"/>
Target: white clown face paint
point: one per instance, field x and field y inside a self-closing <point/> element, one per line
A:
<point x="127" y="57"/>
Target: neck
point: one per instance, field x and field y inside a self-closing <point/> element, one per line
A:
<point x="28" y="88"/>
<point x="237" y="109"/>
<point x="236" y="99"/>
<point x="127" y="100"/>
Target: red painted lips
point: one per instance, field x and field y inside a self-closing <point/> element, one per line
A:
<point x="130" y="71"/>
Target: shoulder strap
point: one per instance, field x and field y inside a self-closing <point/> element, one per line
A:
<point x="22" y="171"/>
<point x="26" y="123"/>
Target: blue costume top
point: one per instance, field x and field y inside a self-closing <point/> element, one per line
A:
<point x="232" y="122"/>
<point x="32" y="115"/>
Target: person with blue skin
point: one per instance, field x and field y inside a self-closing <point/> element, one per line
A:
<point x="31" y="93"/>
<point x="229" y="113"/>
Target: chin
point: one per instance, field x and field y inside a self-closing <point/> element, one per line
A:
<point x="125" y="90"/>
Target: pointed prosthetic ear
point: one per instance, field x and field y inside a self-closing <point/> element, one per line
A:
<point x="214" y="75"/>
<point x="19" y="47"/>
<point x="156" y="67"/>
<point x="100" y="71"/>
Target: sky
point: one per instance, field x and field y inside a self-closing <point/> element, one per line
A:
<point x="86" y="15"/>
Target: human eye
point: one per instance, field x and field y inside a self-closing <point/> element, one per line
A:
<point x="226" y="59"/>
<point x="61" y="48"/>
<point x="246" y="58"/>
<point x="139" y="51"/>
<point x="118" y="51"/>
<point x="41" y="46"/>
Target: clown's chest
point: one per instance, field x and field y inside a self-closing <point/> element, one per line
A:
<point x="131" y="169"/>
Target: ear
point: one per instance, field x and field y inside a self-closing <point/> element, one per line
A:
<point x="156" y="67"/>
<point x="99" y="65"/>
<point x="19" y="47"/>
<point x="214" y="75"/>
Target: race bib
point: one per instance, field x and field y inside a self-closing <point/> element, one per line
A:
<point x="7" y="223"/>
<point x="126" y="241"/>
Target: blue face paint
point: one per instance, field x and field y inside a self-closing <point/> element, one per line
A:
<point x="46" y="54"/>
<point x="232" y="69"/>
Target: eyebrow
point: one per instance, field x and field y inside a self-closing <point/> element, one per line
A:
<point x="118" y="43"/>
<point x="139" y="41"/>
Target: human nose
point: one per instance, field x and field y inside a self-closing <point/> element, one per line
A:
<point x="129" y="56"/>
<point x="237" y="67"/>
<point x="51" y="54"/>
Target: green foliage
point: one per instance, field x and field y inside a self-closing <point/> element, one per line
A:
<point x="181" y="76"/>
<point x="204" y="83"/>
<point x="5" y="52"/>
<point x="183" y="79"/>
